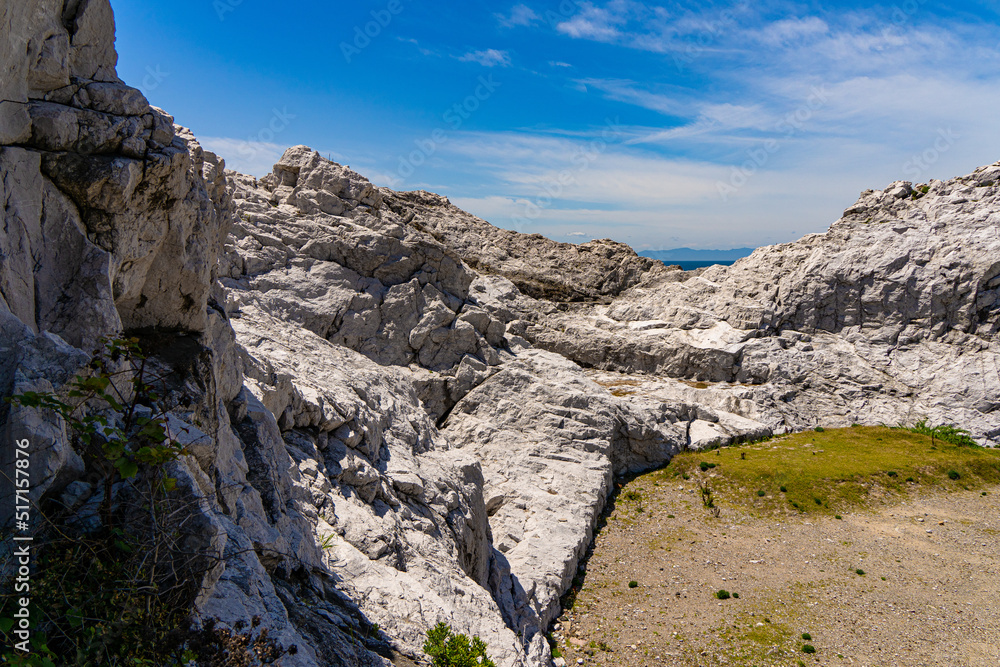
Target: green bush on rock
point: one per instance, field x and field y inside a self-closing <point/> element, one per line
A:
<point x="448" y="649"/>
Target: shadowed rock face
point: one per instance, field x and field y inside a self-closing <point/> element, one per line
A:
<point x="385" y="397"/>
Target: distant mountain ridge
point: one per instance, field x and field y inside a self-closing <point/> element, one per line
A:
<point x="693" y="255"/>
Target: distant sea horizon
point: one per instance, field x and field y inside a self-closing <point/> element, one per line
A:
<point x="692" y="265"/>
<point x="690" y="258"/>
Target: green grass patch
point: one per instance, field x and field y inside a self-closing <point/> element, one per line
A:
<point x="835" y="469"/>
<point x="743" y="642"/>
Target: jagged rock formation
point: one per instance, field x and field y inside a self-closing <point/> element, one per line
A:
<point x="539" y="267"/>
<point x="311" y="274"/>
<point x="891" y="316"/>
<point x="399" y="414"/>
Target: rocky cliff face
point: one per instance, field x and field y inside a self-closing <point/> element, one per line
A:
<point x="398" y="414"/>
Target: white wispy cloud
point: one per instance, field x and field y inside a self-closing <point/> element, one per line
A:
<point x="487" y="58"/>
<point x="792" y="30"/>
<point x="424" y="51"/>
<point x="255" y="158"/>
<point x="603" y="23"/>
<point x="676" y="102"/>
<point x="520" y="15"/>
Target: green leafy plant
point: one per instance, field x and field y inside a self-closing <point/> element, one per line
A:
<point x="633" y="584"/>
<point x="808" y="648"/>
<point x="706" y="497"/>
<point x="859" y="572"/>
<point x="806" y="636"/>
<point x="946" y="432"/>
<point x="119" y="591"/>
<point x="448" y="649"/>
<point x="111" y="412"/>
<point x="722" y="594"/>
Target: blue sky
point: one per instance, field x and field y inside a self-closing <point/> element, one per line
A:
<point x="661" y="124"/>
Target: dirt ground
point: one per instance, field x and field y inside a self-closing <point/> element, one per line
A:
<point x="928" y="595"/>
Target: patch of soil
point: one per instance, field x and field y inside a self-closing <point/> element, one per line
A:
<point x="928" y="595"/>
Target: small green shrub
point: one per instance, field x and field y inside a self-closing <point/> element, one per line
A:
<point x="448" y="649"/>
<point x="706" y="497"/>
<point x="806" y="636"/>
<point x="820" y="429"/>
<point x="859" y="572"/>
<point x="808" y="648"/>
<point x="761" y="493"/>
<point x="633" y="584"/>
<point x="722" y="594"/>
<point x="837" y="516"/>
<point x="953" y="474"/>
<point x="632" y="496"/>
<point x="946" y="432"/>
<point x="892" y="473"/>
<point x="553" y="646"/>
<point x="736" y="596"/>
<point x="783" y="489"/>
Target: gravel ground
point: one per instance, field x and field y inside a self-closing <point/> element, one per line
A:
<point x="928" y="595"/>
